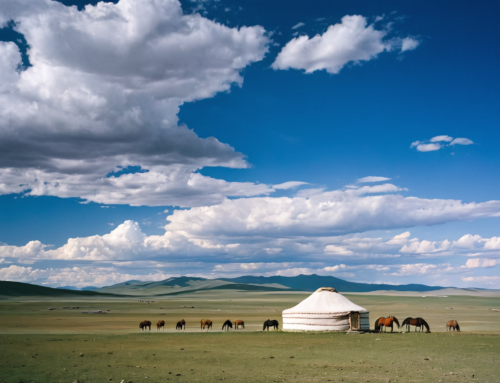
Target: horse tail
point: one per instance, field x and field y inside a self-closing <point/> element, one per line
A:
<point x="396" y="320"/>
<point x="377" y="325"/>
<point x="458" y="327"/>
<point x="406" y="321"/>
<point x="426" y="325"/>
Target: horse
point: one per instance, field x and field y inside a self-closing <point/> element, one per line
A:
<point x="271" y="323"/>
<point x="386" y="322"/>
<point x="239" y="323"/>
<point x="160" y="324"/>
<point x="180" y="325"/>
<point x="207" y="323"/>
<point x="452" y="324"/>
<point x="227" y="324"/>
<point x="417" y="322"/>
<point x="144" y="324"/>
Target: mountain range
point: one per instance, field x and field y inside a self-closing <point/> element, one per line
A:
<point x="182" y="285"/>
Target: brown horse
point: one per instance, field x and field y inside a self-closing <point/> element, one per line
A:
<point x="145" y="324"/>
<point x="452" y="324"/>
<point x="417" y="322"/>
<point x="206" y="323"/>
<point x="227" y="324"/>
<point x="386" y="322"/>
<point x="239" y="323"/>
<point x="160" y="325"/>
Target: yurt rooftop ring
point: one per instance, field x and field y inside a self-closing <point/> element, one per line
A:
<point x="326" y="310"/>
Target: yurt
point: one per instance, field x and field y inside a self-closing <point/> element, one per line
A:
<point x="326" y="310"/>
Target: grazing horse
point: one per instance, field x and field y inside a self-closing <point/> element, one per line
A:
<point x="452" y="324"/>
<point x="271" y="323"/>
<point x="227" y="324"/>
<point x="207" y="323"/>
<point x="144" y="324"/>
<point x="386" y="322"/>
<point x="178" y="326"/>
<point x="239" y="323"/>
<point x="417" y="322"/>
<point x="160" y="325"/>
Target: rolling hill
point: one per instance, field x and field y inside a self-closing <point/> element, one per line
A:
<point x="19" y="289"/>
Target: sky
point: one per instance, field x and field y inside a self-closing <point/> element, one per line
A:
<point x="144" y="139"/>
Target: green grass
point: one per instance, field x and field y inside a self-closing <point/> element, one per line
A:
<point x="251" y="357"/>
<point x="37" y="345"/>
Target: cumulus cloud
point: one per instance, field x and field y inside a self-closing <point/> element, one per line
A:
<point x="74" y="276"/>
<point x="438" y="142"/>
<point x="325" y="213"/>
<point x="352" y="40"/>
<point x="103" y="94"/>
<point x="482" y="262"/>
<point x="372" y="179"/>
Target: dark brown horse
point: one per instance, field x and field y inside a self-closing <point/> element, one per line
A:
<point x="227" y="324"/>
<point x="160" y="325"/>
<point x="386" y="322"/>
<point x="452" y="324"/>
<point x="180" y="325"/>
<point x="270" y="323"/>
<point x="206" y="323"/>
<point x="417" y="322"/>
<point x="239" y="323"/>
<point x="145" y="324"/>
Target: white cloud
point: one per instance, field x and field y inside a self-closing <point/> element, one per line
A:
<point x="298" y="25"/>
<point x="289" y="185"/>
<point x="74" y="276"/>
<point x="482" y="262"/>
<point x="324" y="213"/>
<point x="438" y="142"/>
<point x="337" y="250"/>
<point x="409" y="44"/>
<point x="423" y="269"/>
<point x="428" y="147"/>
<point x="415" y="246"/>
<point x="103" y="92"/>
<point x="461" y="141"/>
<point x="488" y="280"/>
<point x="372" y="179"/>
<point x="441" y="138"/>
<point x="353" y="40"/>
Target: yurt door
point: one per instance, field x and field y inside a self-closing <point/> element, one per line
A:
<point x="355" y="322"/>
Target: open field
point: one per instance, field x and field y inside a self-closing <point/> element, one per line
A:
<point x="251" y="357"/>
<point x="31" y="316"/>
<point x="38" y="345"/>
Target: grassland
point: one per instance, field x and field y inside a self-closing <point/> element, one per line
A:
<point x="38" y="345"/>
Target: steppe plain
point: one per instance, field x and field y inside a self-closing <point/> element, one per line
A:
<point x="41" y="345"/>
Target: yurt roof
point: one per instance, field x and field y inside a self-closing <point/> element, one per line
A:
<point x="325" y="300"/>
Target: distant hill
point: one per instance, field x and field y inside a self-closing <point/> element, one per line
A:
<point x="183" y="285"/>
<point x="313" y="282"/>
<point x="19" y="289"/>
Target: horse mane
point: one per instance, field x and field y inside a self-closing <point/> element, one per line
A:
<point x="406" y="321"/>
<point x="396" y="320"/>
<point x="426" y="325"/>
<point x="458" y="327"/>
<point x="377" y="325"/>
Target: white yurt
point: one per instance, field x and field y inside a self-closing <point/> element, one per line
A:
<point x="326" y="310"/>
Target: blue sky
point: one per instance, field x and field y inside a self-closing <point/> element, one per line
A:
<point x="256" y="126"/>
